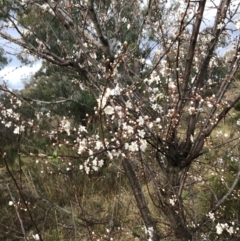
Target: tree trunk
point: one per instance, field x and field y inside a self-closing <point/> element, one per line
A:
<point x="150" y="224"/>
<point x="182" y="233"/>
<point x="174" y="211"/>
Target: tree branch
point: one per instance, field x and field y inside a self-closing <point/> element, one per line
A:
<point x="140" y="199"/>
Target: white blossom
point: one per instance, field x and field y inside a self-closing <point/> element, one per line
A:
<point x="46" y="7"/>
<point x="19" y="129"/>
<point x="8" y="124"/>
<point x="230" y="230"/>
<point x="25" y="32"/>
<point x="220" y="25"/>
<point x="36" y="237"/>
<point x="133" y="146"/>
<point x="109" y="110"/>
<point x="211" y="216"/>
<point x="128" y="128"/>
<point x="19" y="102"/>
<point x="124" y="19"/>
<point x="102" y="102"/>
<point x="110" y="155"/>
<point x="100" y="163"/>
<point x="172" y="202"/>
<point x="82" y="129"/>
<point x="82" y="146"/>
<point x="238" y="25"/>
<point x="209" y="104"/>
<point x="191" y="110"/>
<point x="99" y="145"/>
<point x="95" y="162"/>
<point x="141" y="133"/>
<point x="9" y="112"/>
<point x="219" y="228"/>
<point x="142" y="61"/>
<point x="143" y="145"/>
<point x="116" y="91"/>
<point x="223" y="226"/>
<point x="87" y="169"/>
<point x="149" y="233"/>
<point x="65" y="124"/>
<point x="140" y="120"/>
<point x="171" y="85"/>
<point x="128" y="104"/>
<point x="154" y="77"/>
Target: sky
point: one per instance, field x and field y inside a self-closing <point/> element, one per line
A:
<point x="15" y="73"/>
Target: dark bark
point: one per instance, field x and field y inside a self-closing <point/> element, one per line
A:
<point x="175" y="213"/>
<point x="140" y="199"/>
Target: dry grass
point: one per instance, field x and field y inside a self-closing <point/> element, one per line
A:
<point x="70" y="206"/>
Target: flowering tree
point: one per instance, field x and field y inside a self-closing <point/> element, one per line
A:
<point x="163" y="90"/>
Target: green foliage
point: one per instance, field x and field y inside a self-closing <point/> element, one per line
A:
<point x="55" y="157"/>
<point x="3" y="59"/>
<point x="52" y="84"/>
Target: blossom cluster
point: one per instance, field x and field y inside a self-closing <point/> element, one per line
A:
<point x="91" y="164"/>
<point x="220" y="227"/>
<point x="157" y="105"/>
